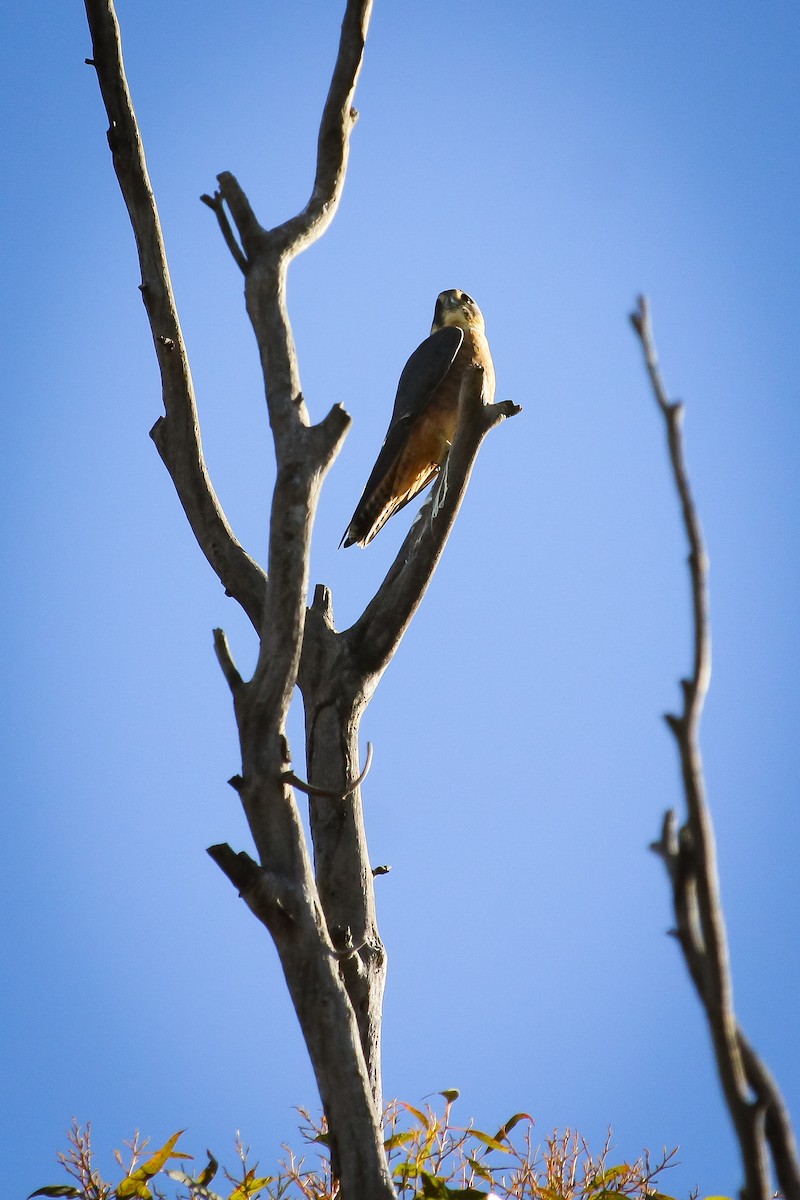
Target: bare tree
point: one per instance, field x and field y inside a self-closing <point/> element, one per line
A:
<point x="761" y="1121"/>
<point x="322" y="916"/>
<point x="321" y="913"/>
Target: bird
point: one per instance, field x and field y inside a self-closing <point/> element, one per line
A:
<point x="425" y="413"/>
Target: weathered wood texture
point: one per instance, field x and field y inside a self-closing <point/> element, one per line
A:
<point x="754" y="1101"/>
<point x="321" y="917"/>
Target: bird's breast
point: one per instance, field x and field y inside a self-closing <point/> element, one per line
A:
<point x="473" y="352"/>
<point x="434" y="431"/>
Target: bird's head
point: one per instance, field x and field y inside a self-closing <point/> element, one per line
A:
<point x="456" y="308"/>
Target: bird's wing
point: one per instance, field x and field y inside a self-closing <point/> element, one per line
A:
<point x="421" y="376"/>
<point x="424" y="371"/>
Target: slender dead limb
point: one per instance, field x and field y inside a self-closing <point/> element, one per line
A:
<point x="304" y="453"/>
<point x="337" y="824"/>
<point x="777" y="1122"/>
<point x="216" y="205"/>
<point x="338" y="673"/>
<point x="327" y="793"/>
<point x="225" y="660"/>
<point x="280" y="887"/>
<point x="177" y="434"/>
<point x="333" y="146"/>
<point x="689" y="853"/>
<point x="319" y="997"/>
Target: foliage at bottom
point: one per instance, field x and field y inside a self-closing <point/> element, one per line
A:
<point x="430" y="1158"/>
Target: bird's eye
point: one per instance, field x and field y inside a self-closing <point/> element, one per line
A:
<point x="465" y="299"/>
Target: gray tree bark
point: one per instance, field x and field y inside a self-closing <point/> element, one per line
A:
<point x="760" y="1118"/>
<point x="321" y="917"/>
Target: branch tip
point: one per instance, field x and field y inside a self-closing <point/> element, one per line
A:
<point x="225" y="660"/>
<point x="250" y="231"/>
<point x="217" y="206"/>
<point x="240" y="868"/>
<point x="323" y="603"/>
<point x="675" y="723"/>
<point x="640" y="318"/>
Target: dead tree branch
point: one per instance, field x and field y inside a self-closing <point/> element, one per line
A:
<point x="177" y="434"/>
<point x="338" y="675"/>
<point x="753" y="1099"/>
<point x="322" y="920"/>
<point x="311" y="789"/>
<point x="374" y="638"/>
<point x="280" y="888"/>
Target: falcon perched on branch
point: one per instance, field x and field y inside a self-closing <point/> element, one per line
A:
<point x="425" y="413"/>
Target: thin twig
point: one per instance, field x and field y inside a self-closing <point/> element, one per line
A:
<point x="225" y="660"/>
<point x="328" y="793"/>
<point x="217" y="206"/>
<point x="690" y="857"/>
<point x="177" y="434"/>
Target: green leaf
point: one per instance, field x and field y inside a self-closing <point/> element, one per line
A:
<point x="242" y="1192"/>
<point x="208" y="1173"/>
<point x="511" y="1123"/>
<point x="405" y="1171"/>
<point x="135" y="1183"/>
<point x="481" y="1170"/>
<point x="603" y="1177"/>
<point x="450" y="1094"/>
<point x="399" y="1139"/>
<point x="250" y="1186"/>
<point x="437" y="1189"/>
<point x="136" y="1188"/>
<point x="57" y="1189"/>
<point x="491" y="1142"/>
<point x="423" y="1120"/>
<point x="433" y="1188"/>
<point x="424" y="1151"/>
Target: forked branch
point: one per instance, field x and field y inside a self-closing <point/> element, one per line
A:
<point x="753" y="1099"/>
<point x="322" y="920"/>
<point x="280" y="888"/>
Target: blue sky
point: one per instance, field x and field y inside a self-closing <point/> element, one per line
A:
<point x="553" y="160"/>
